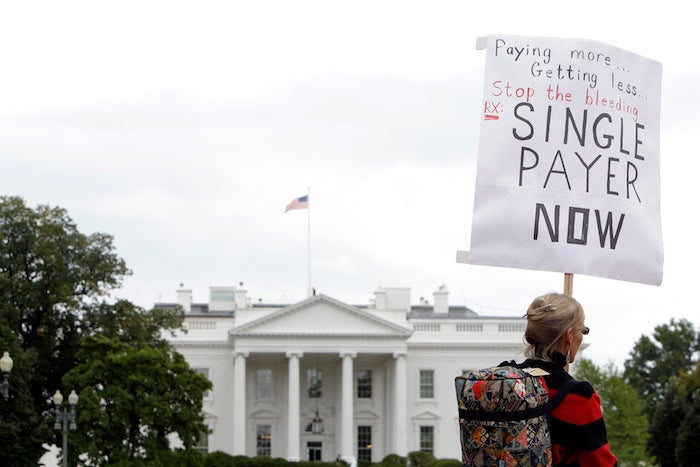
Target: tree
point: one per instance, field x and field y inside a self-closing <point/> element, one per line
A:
<point x="50" y="273"/>
<point x="64" y="334"/>
<point x="135" y="389"/>
<point x="625" y="420"/>
<point x="658" y="368"/>
<point x="132" y="396"/>
<point x="131" y="324"/>
<point x="688" y="443"/>
<point x="654" y="361"/>
<point x="18" y="419"/>
<point x="664" y="423"/>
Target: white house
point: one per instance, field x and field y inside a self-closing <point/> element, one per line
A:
<point x="321" y="378"/>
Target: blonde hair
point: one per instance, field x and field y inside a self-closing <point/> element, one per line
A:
<point x="548" y="318"/>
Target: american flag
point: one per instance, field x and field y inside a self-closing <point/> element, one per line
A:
<point x="298" y="203"/>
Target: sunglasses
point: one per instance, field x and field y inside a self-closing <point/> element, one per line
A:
<point x="584" y="330"/>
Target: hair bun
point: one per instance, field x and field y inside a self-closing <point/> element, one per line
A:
<point x="539" y="306"/>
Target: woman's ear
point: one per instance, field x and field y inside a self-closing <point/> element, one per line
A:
<point x="569" y="336"/>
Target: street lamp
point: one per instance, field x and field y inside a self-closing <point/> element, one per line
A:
<point x="5" y="368"/>
<point x="65" y="419"/>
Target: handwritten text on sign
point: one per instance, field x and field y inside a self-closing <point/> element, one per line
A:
<point x="568" y="170"/>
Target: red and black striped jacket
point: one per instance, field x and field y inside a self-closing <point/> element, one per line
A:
<point x="578" y="431"/>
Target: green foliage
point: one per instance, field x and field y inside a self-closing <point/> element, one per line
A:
<point x="131" y="398"/>
<point x="21" y="428"/>
<point x="222" y="459"/>
<point x="50" y="273"/>
<point x="420" y="458"/>
<point x="664" y="423"/>
<point x="317" y="464"/>
<point x="180" y="458"/>
<point x="131" y="324"/>
<point x="586" y="370"/>
<point x="54" y="320"/>
<point x="262" y="461"/>
<point x="187" y="458"/>
<point x="688" y="444"/>
<point x="393" y="460"/>
<point x="623" y="410"/>
<point x="689" y="383"/>
<point x="654" y="361"/>
<point x="682" y="419"/>
<point x="658" y="368"/>
<point x="219" y="459"/>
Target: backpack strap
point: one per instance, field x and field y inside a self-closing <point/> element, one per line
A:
<point x="563" y="391"/>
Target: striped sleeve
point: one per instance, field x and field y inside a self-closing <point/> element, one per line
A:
<point x="578" y="428"/>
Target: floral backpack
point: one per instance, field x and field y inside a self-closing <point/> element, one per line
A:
<point x="504" y="416"/>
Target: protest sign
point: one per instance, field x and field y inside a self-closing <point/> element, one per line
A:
<point x="568" y="162"/>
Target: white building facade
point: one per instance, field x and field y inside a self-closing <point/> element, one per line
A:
<point x="319" y="379"/>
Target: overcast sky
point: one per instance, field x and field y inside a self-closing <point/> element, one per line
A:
<point x="185" y="128"/>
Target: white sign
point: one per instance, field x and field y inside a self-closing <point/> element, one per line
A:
<point x="568" y="164"/>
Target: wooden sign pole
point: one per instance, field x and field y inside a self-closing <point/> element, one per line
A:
<point x="568" y="283"/>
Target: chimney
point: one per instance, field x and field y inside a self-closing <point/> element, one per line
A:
<point x="440" y="300"/>
<point x="184" y="298"/>
<point x="241" y="299"/>
<point x="380" y="299"/>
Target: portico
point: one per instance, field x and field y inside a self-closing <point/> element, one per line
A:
<point x="324" y="342"/>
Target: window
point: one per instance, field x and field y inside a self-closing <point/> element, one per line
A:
<point x="364" y="384"/>
<point x="364" y="443"/>
<point x="427" y="439"/>
<point x="263" y="384"/>
<point x="313" y="380"/>
<point x="264" y="440"/>
<point x="205" y="372"/>
<point x="426" y="384"/>
<point x="203" y="443"/>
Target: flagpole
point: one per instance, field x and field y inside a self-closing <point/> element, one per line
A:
<point x="308" y="239"/>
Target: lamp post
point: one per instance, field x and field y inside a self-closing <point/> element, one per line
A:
<point x="5" y="368"/>
<point x="65" y="419"/>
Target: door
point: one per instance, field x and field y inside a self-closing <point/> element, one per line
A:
<point x="314" y="450"/>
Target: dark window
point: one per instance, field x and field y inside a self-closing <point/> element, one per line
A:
<point x="426" y="384"/>
<point x="364" y="384"/>
<point x="427" y="439"/>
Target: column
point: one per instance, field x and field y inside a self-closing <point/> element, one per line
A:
<point x="239" y="410"/>
<point x="400" y="423"/>
<point x="294" y="408"/>
<point x="347" y="409"/>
